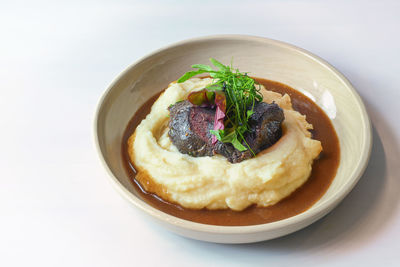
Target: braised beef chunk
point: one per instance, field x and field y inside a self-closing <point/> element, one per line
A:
<point x="201" y="122"/>
<point x="265" y="131"/>
<point x="231" y="153"/>
<point x="190" y="130"/>
<point x="265" y="126"/>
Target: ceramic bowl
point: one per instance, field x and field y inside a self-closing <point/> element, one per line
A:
<point x="264" y="58"/>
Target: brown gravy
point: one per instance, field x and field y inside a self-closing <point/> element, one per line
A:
<point x="323" y="170"/>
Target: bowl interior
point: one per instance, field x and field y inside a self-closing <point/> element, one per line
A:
<point x="260" y="57"/>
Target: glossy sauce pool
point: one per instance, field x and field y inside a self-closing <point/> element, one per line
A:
<point x="323" y="170"/>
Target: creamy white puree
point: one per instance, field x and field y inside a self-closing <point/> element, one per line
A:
<point x="214" y="182"/>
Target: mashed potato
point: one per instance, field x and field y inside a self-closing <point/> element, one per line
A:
<point x="214" y="182"/>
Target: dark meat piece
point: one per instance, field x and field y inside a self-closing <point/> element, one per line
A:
<point x="190" y="130"/>
<point x="265" y="130"/>
<point x="265" y="126"/>
<point x="231" y="153"/>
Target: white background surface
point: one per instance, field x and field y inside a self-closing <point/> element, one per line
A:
<point x="56" y="58"/>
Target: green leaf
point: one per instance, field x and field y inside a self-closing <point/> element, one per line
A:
<point x="218" y="133"/>
<point x="202" y="67"/>
<point x="229" y="138"/>
<point x="214" y="87"/>
<point x="241" y="129"/>
<point x="189" y="75"/>
<point x="219" y="65"/>
<point x="235" y="142"/>
<point x="249" y="113"/>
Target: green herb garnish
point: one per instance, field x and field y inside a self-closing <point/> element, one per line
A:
<point x="241" y="95"/>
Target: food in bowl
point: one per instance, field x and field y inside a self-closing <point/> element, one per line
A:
<point x="179" y="151"/>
